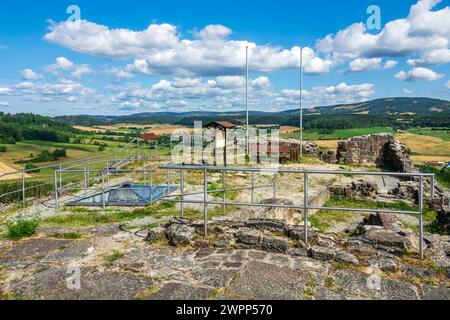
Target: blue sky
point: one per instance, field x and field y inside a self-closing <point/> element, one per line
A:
<point x="133" y="56"/>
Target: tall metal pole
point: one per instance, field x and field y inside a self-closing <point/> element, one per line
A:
<point x="246" y="98"/>
<point x="301" y="103"/>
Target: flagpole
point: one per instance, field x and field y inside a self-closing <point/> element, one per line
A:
<point x="301" y="103"/>
<point x="246" y="98"/>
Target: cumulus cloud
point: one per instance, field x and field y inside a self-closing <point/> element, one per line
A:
<point x="62" y="90"/>
<point x="390" y="64"/>
<point x="63" y="64"/>
<point x="431" y="58"/>
<point x="364" y="64"/>
<point x="28" y="74"/>
<point x="447" y="85"/>
<point x="407" y="91"/>
<point x="221" y="91"/>
<point x="417" y="74"/>
<point x="424" y="30"/>
<point x="5" y="91"/>
<point x="327" y="95"/>
<point x="160" y="50"/>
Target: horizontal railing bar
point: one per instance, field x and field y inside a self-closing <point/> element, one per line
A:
<point x="275" y="170"/>
<point x="298" y="207"/>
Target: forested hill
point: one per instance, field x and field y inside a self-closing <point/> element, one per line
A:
<point x="25" y="126"/>
<point x="396" y="112"/>
<point x="390" y="106"/>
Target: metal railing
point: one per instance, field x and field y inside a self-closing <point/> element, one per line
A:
<point x="44" y="175"/>
<point x="306" y="200"/>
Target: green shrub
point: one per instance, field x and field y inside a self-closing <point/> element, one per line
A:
<point x="21" y="228"/>
<point x="3" y="149"/>
<point x="30" y="166"/>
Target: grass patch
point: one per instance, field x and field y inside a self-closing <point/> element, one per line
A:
<point x="325" y="219"/>
<point x="329" y="282"/>
<point x="21" y="228"/>
<point x="110" y="259"/>
<point x="74" y="235"/>
<point x="338" y="134"/>
<point x="84" y="217"/>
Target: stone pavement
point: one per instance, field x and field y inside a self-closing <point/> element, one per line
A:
<point x="42" y="268"/>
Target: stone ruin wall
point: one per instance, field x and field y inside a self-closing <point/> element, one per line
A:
<point x="381" y="149"/>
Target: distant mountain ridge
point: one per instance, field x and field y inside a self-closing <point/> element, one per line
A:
<point x="390" y="106"/>
<point x="379" y="107"/>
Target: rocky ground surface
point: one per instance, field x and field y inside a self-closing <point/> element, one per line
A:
<point x="256" y="259"/>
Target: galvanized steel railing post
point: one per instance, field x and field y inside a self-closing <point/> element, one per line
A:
<point x="224" y="188"/>
<point x="421" y="244"/>
<point x="305" y="207"/>
<point x="205" y="201"/>
<point x="56" y="190"/>
<point x="103" y="190"/>
<point x="433" y="182"/>
<point x="23" y="190"/>
<point x="88" y="173"/>
<point x="60" y="177"/>
<point x="253" y="187"/>
<point x="145" y="172"/>
<point x="182" y="191"/>
<point x="151" y="185"/>
<point x="274" y="185"/>
<point x="85" y="179"/>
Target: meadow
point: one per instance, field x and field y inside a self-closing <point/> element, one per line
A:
<point x="315" y="135"/>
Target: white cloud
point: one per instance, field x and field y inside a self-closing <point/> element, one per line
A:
<point x="80" y="70"/>
<point x="417" y="74"/>
<point x="119" y="74"/>
<point x="160" y="50"/>
<point x="5" y="91"/>
<point x="62" y="90"/>
<point x="28" y="74"/>
<point x="63" y="64"/>
<point x="224" y="92"/>
<point x="431" y="58"/>
<point x="390" y="64"/>
<point x="422" y="31"/>
<point x="364" y="64"/>
<point x="407" y="91"/>
<point x="4" y="104"/>
<point x="319" y="96"/>
<point x="447" y="85"/>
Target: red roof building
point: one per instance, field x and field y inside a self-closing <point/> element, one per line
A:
<point x="148" y="136"/>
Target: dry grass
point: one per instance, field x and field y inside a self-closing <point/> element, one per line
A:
<point x="425" y="145"/>
<point x="288" y="129"/>
<point x="423" y="159"/>
<point x="89" y="129"/>
<point x="329" y="144"/>
<point x="5" y="169"/>
<point x="167" y="130"/>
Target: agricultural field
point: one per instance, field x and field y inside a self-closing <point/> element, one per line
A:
<point x="315" y="135"/>
<point x="441" y="133"/>
<point x="425" y="148"/>
<point x="166" y="129"/>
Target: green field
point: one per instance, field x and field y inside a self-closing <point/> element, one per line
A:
<point x="339" y="134"/>
<point x="443" y="134"/>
